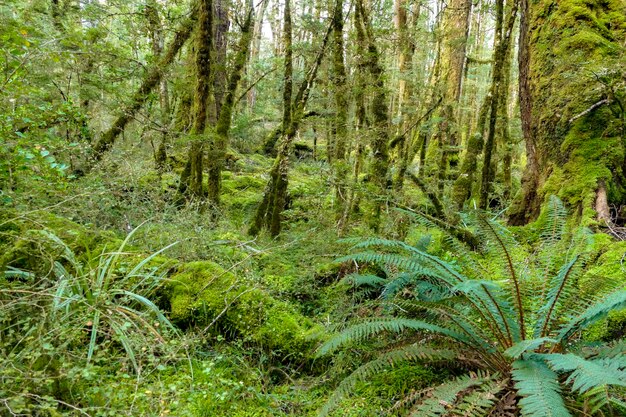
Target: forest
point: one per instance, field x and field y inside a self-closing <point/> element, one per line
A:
<point x="342" y="208"/>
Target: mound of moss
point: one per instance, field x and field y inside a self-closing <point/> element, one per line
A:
<point x="203" y="294"/>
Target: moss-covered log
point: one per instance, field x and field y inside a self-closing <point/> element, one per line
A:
<point x="571" y="60"/>
<point x="205" y="296"/>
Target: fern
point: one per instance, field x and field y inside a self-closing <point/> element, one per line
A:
<point x="411" y="353"/>
<point x="613" y="302"/>
<point x="560" y="288"/>
<point x="368" y="329"/>
<point x="442" y="400"/>
<point x="540" y="389"/>
<point x="586" y="374"/>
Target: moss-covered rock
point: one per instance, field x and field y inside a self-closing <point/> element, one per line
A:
<point x="203" y="293"/>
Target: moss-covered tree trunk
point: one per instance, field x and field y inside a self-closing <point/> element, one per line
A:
<point x="156" y="40"/>
<point x="149" y="82"/>
<point x="379" y="165"/>
<point x="219" y="145"/>
<point x="504" y="32"/>
<point x="571" y="61"/>
<point x="340" y="165"/>
<point x="190" y="184"/>
<point x="455" y="27"/>
<point x="269" y="212"/>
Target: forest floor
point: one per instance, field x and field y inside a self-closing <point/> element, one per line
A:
<point x="219" y="372"/>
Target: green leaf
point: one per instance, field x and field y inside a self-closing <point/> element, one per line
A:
<point x="587" y="374"/>
<point x="524" y="346"/>
<point x="540" y="389"/>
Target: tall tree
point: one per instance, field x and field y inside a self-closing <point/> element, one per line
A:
<point x="340" y="84"/>
<point x="379" y="165"/>
<point x="455" y="27"/>
<point x="191" y="178"/>
<point x="219" y="144"/>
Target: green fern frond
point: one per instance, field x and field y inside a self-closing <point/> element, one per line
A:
<point x="587" y="374"/>
<point x="540" y="389"/>
<point x="553" y="226"/>
<point x="358" y="280"/>
<point x="502" y="240"/>
<point x="411" y="353"/>
<point x="559" y="290"/>
<point x="368" y="329"/>
<point x="480" y="402"/>
<point x="613" y="302"/>
<point x="442" y="400"/>
<point x="524" y="346"/>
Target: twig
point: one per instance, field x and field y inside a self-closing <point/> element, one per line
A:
<point x="590" y="109"/>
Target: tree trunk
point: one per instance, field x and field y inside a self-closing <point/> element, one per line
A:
<point x="498" y="92"/>
<point x="379" y="165"/>
<point x="219" y="146"/>
<point x="341" y="110"/>
<point x="191" y="178"/>
<point x="572" y="121"/>
<point x="455" y="27"/>
<point x="156" y="32"/>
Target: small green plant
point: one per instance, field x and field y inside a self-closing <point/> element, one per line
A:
<point x="92" y="311"/>
<point x="508" y="318"/>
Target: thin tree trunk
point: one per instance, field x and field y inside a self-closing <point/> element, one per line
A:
<point x="379" y="166"/>
<point x="503" y="42"/>
<point x="341" y="110"/>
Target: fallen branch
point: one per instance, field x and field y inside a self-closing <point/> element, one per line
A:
<point x="590" y="109"/>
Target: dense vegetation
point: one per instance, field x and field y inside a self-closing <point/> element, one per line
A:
<point x="339" y="208"/>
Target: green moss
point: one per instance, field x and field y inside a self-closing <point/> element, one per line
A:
<point x="29" y="244"/>
<point x="592" y="157"/>
<point x="202" y="291"/>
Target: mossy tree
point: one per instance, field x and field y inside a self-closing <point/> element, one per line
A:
<point x="571" y="69"/>
<point x="219" y="144"/>
<point x="191" y="178"/>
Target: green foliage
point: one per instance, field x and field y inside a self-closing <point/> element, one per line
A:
<point x="89" y="310"/>
<point x="488" y="319"/>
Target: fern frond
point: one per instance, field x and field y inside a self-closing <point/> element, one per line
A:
<point x="368" y="329"/>
<point x="358" y="280"/>
<point x="524" y="346"/>
<point x="441" y="400"/>
<point x="411" y="353"/>
<point x="503" y="240"/>
<point x="559" y="289"/>
<point x="480" y="402"/>
<point x="540" y="389"/>
<point x="586" y="374"/>
<point x="553" y="226"/>
<point x="613" y="302"/>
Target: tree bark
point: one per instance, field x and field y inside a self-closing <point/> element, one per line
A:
<point x="190" y="184"/>
<point x="560" y="79"/>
